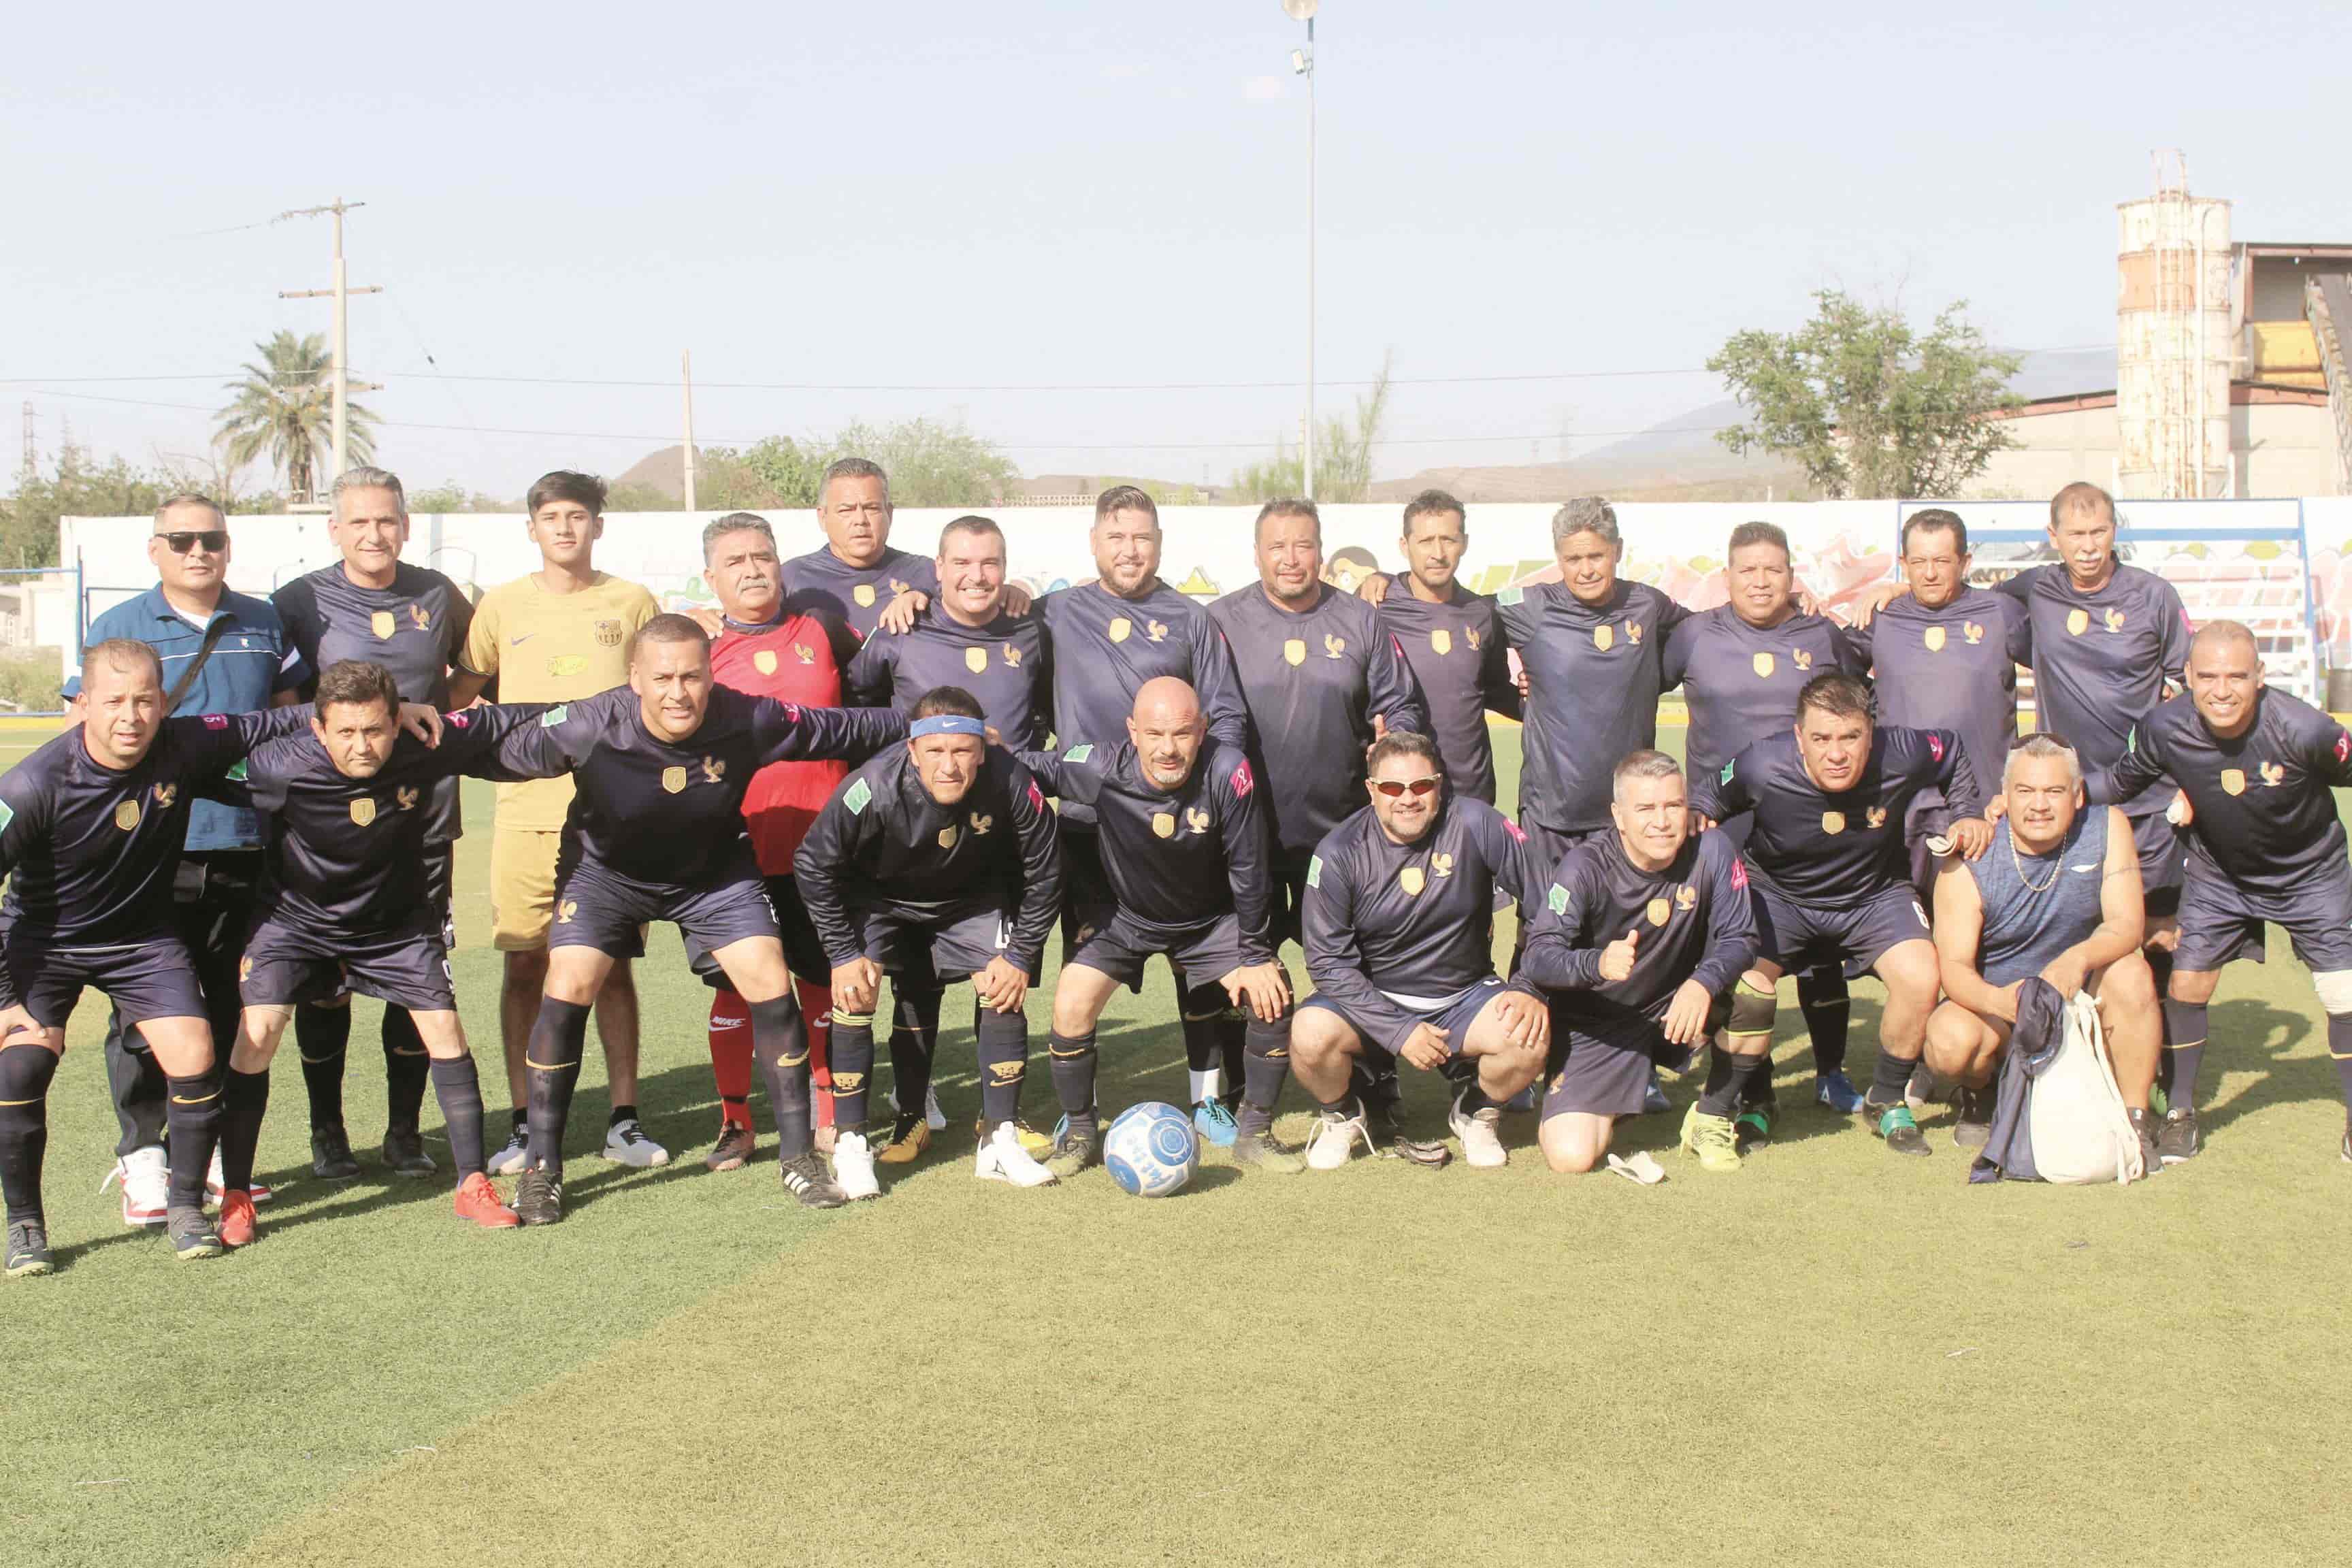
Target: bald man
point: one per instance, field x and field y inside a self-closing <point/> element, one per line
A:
<point x="1189" y="860"/>
<point x="2264" y="843"/>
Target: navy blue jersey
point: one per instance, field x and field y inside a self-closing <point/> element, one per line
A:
<point x="847" y="599"/>
<point x="883" y="843"/>
<point x="1694" y="915"/>
<point x="2101" y="659"/>
<point x="2265" y="819"/>
<point x="346" y="856"/>
<point x="1463" y="665"/>
<point x="1836" y="851"/>
<point x="1176" y="859"/>
<point x="1741" y="682"/>
<point x="1594" y="676"/>
<point x="1950" y="668"/>
<point x="89" y="850"/>
<point x="415" y="629"/>
<point x="1004" y="663"/>
<point x="1395" y="931"/>
<point x="1314" y="680"/>
<point x="669" y="813"/>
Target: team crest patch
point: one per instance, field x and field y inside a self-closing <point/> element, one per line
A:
<point x="1556" y="900"/>
<point x="1442" y="864"/>
<point x="2077" y="622"/>
<point x="1660" y="911"/>
<point x="1155" y="631"/>
<point x="1334" y="646"/>
<point x="948" y="837"/>
<point x="714" y="769"/>
<point x="608" y="634"/>
<point x="363" y="811"/>
<point x="1196" y="819"/>
<point x="1511" y="596"/>
<point x="1120" y="626"/>
<point x="555" y="716"/>
<point x="1934" y="637"/>
<point x="1315" y="871"/>
<point x="1471" y="636"/>
<point x="1412" y="880"/>
<point x="8" y="816"/>
<point x="975" y="660"/>
<point x="848" y="1082"/>
<point x="2233" y="780"/>
<point x="1802" y="657"/>
<point x="564" y="664"/>
<point x="1242" y="781"/>
<point x="673" y="780"/>
<point x="1633" y="633"/>
<point x="857" y="794"/>
<point x="1604" y="638"/>
<point x="1876" y="816"/>
<point x="567" y="912"/>
<point x="1764" y="665"/>
<point x="2274" y="776"/>
<point x="981" y="824"/>
<point x="383" y="625"/>
<point x="1294" y="651"/>
<point x="864" y="594"/>
<point x="406" y="797"/>
<point x="1008" y="1072"/>
<point x="1728" y="769"/>
<point x="1833" y="823"/>
<point x="422" y="616"/>
<point x="1012" y="656"/>
<point x="897" y="587"/>
<point x="2114" y="620"/>
<point x="1973" y="632"/>
<point x="1685" y="897"/>
<point x="165" y="794"/>
<point x="126" y="816"/>
<point x="1163" y="823"/>
<point x="805" y="653"/>
<point x="1442" y="641"/>
<point x="1080" y="754"/>
<point x="238" y="775"/>
<point x="764" y="661"/>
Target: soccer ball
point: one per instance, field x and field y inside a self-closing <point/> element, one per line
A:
<point x="1150" y="1149"/>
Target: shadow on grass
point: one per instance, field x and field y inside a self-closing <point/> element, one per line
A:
<point x="2248" y="1030"/>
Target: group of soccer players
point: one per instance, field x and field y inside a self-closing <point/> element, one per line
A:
<point x="862" y="765"/>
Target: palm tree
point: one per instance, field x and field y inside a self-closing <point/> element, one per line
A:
<point x="285" y="407"/>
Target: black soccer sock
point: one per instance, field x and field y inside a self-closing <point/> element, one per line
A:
<point x="192" y="1125"/>
<point x="1073" y="1060"/>
<point x="1373" y="1076"/>
<point x="621" y="1113"/>
<point x="245" y="1098"/>
<point x="559" y="1037"/>
<point x="849" y="1049"/>
<point x="1202" y="1012"/>
<point x="136" y="1081"/>
<point x="1823" y="997"/>
<point x="457" y="1085"/>
<point x="25" y="1074"/>
<point x="323" y="1038"/>
<point x="1233" y="1051"/>
<point x="2184" y="1052"/>
<point x="1266" y="1066"/>
<point x="1889" y="1076"/>
<point x="2159" y="965"/>
<point x="406" y="1066"/>
<point x="1720" y="1096"/>
<point x="780" y="1047"/>
<point x="1004" y="1043"/>
<point x="914" y="1042"/>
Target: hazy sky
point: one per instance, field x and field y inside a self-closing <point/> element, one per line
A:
<point x="859" y="199"/>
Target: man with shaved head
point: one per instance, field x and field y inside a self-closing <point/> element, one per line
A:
<point x="1189" y="860"/>
<point x="2264" y="843"/>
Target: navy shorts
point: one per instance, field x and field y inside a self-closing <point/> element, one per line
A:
<point x="2220" y="921"/>
<point x="1204" y="953"/>
<point x="804" y="953"/>
<point x="940" y="950"/>
<point x="285" y="964"/>
<point x="1454" y="1018"/>
<point x="601" y="908"/>
<point x="2162" y="858"/>
<point x="1291" y="865"/>
<point x="1088" y="902"/>
<point x="150" y="979"/>
<point x="1799" y="939"/>
<point x="1605" y="1073"/>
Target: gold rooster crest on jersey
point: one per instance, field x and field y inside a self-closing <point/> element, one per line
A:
<point x="1334" y="646"/>
<point x="1685" y="897"/>
<point x="2274" y="776"/>
<point x="1442" y="864"/>
<point x="1802" y="657"/>
<point x="1012" y="656"/>
<point x="407" y="796"/>
<point x="981" y="824"/>
<point x="1196" y="819"/>
<point x="1876" y="816"/>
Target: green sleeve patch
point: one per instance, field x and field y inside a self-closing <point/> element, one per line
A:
<point x="555" y="715"/>
<point x="860" y="794"/>
<point x="1511" y="596"/>
<point x="1728" y="769"/>
<point x="8" y="816"/>
<point x="1557" y="900"/>
<point x="1079" y="752"/>
<point x="236" y="775"/>
<point x="1314" y="869"/>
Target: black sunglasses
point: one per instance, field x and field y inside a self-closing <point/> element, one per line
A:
<point x="179" y="543"/>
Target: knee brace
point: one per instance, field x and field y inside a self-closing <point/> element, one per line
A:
<point x="1752" y="1010"/>
<point x="2334" y="988"/>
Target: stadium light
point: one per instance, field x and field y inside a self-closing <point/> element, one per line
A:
<point x="1302" y="63"/>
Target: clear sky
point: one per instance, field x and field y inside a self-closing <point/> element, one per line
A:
<point x="962" y="196"/>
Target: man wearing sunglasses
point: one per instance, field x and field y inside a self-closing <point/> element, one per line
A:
<point x="221" y="653"/>
<point x="1399" y="918"/>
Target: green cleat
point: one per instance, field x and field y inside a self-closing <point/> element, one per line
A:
<point x="1714" y="1139"/>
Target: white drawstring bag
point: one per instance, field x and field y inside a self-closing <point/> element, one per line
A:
<point x="2075" y="1113"/>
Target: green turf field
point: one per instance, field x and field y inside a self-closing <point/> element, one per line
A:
<point x="1832" y="1356"/>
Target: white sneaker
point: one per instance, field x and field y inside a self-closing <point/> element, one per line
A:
<point x="1003" y="1159"/>
<point x="627" y="1143"/>
<point x="146" y="1179"/>
<point x="259" y="1191"/>
<point x="516" y="1154"/>
<point x="932" y="1114"/>
<point x="1480" y="1144"/>
<point x="853" y="1166"/>
<point x="1333" y="1143"/>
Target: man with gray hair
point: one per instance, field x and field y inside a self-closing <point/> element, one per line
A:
<point x="376" y="607"/>
<point x="2057" y="897"/>
<point x="849" y="583"/>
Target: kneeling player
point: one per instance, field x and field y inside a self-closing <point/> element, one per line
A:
<point x="935" y="860"/>
<point x="2058" y="896"/>
<point x="1644" y="933"/>
<point x="1399" y="916"/>
<point x="347" y="902"/>
<point x="1191" y="862"/>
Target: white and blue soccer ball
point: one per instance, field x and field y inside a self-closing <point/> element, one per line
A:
<point x="1150" y="1149"/>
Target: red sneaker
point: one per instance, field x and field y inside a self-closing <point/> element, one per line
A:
<point x="239" y="1225"/>
<point x="479" y="1201"/>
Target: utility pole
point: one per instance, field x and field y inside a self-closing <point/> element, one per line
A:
<point x="686" y="365"/>
<point x="341" y="293"/>
<point x="32" y="464"/>
<point x="1302" y="63"/>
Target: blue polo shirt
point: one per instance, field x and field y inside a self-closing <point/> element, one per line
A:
<point x="252" y="662"/>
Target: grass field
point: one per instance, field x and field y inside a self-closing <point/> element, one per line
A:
<point x="1833" y="1355"/>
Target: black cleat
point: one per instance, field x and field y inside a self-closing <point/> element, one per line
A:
<point x="2177" y="1141"/>
<point x="1076" y="1145"/>
<point x="733" y="1150"/>
<point x="29" y="1248"/>
<point x="193" y="1234"/>
<point x="403" y="1153"/>
<point x="1897" y="1125"/>
<point x="2143" y="1122"/>
<point x="1255" y="1145"/>
<point x="806" y="1179"/>
<point x="538" y="1196"/>
<point x="331" y="1154"/>
<point x="1974" y="1130"/>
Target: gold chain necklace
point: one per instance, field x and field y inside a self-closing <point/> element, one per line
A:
<point x="2057" y="864"/>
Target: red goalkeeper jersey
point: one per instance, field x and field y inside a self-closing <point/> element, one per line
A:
<point x="791" y="660"/>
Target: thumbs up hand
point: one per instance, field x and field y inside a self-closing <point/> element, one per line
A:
<point x="1617" y="958"/>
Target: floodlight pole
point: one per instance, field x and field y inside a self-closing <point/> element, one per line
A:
<point x="340" y="371"/>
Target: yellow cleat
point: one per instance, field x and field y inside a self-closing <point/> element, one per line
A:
<point x="1714" y="1139"/>
<point x="906" y="1150"/>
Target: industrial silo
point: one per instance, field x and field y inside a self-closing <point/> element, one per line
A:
<point x="2173" y="347"/>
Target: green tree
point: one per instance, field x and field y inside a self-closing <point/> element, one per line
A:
<point x="1343" y="456"/>
<point x="79" y="486"/>
<point x="285" y="407"/>
<point x="451" y="496"/>
<point x="930" y="463"/>
<point x="1870" y="408"/>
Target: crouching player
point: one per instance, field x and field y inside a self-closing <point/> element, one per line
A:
<point x="2264" y="843"/>
<point x="1399" y="915"/>
<point x="1643" y="937"/>
<point x="2058" y="896"/>
<point x="934" y="860"/>
<point x="1191" y="862"/>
